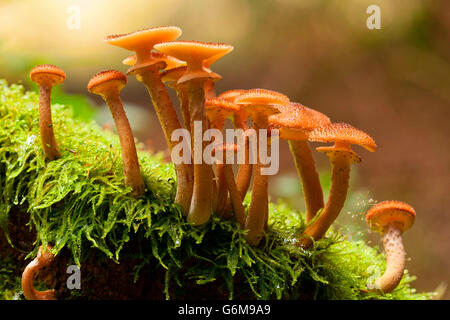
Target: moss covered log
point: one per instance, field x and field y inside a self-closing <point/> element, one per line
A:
<point x="143" y="248"/>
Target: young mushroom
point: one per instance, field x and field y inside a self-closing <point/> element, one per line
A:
<point x="341" y="156"/>
<point x="108" y="85"/>
<point x="43" y="259"/>
<point x="195" y="53"/>
<point x="258" y="103"/>
<point x="391" y="219"/>
<point x="228" y="150"/>
<point x="293" y="123"/>
<point x="217" y="111"/>
<point x="47" y="76"/>
<point x="147" y="70"/>
<point x="240" y="120"/>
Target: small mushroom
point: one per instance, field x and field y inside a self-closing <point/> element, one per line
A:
<point x="258" y="103"/>
<point x="341" y="156"/>
<point x="294" y="122"/>
<point x="244" y="174"/>
<point x="226" y="150"/>
<point x="43" y="259"/>
<point x="147" y="70"/>
<point x="195" y="53"/>
<point x="391" y="219"/>
<point x="217" y="111"/>
<point x="47" y="76"/>
<point x="108" y="85"/>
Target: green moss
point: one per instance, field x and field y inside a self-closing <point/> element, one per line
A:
<point x="79" y="202"/>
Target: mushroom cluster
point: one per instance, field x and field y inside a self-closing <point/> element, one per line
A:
<point x="205" y="188"/>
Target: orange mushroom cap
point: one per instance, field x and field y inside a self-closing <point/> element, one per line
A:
<point x="195" y="54"/>
<point x="218" y="109"/>
<point x="385" y="213"/>
<point x="107" y="80"/>
<point x="142" y="42"/>
<point x="231" y="94"/>
<point x="343" y="135"/>
<point x="295" y="120"/>
<point x="262" y="96"/>
<point x="47" y="74"/>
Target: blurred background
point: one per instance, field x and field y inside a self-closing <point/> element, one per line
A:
<point x="392" y="82"/>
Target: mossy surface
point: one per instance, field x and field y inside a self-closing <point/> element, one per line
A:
<point x="79" y="203"/>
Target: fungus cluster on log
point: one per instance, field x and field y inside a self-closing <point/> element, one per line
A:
<point x="204" y="189"/>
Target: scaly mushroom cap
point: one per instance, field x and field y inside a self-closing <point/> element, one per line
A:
<point x="261" y="102"/>
<point x="142" y="42"/>
<point x="171" y="62"/>
<point x="385" y="213"/>
<point x="231" y="95"/>
<point x="343" y="135"/>
<point x="218" y="109"/>
<point x="261" y="97"/>
<point x="295" y="120"/>
<point x="195" y="54"/>
<point x="106" y="81"/>
<point x="47" y="74"/>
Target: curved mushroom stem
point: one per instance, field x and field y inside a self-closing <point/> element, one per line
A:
<point x="201" y="204"/>
<point x="42" y="260"/>
<point x="132" y="172"/>
<point x="340" y="162"/>
<point x="51" y="148"/>
<point x="169" y="122"/>
<point x="395" y="259"/>
<point x="309" y="177"/>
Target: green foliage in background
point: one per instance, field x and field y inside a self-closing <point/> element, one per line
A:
<point x="79" y="202"/>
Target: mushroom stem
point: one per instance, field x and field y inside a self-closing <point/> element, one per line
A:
<point x="201" y="204"/>
<point x="222" y="189"/>
<point x="307" y="171"/>
<point x="184" y="105"/>
<point x="42" y="260"/>
<point x="258" y="209"/>
<point x="51" y="148"/>
<point x="235" y="195"/>
<point x="244" y="174"/>
<point x="395" y="259"/>
<point x="133" y="177"/>
<point x="340" y="162"/>
<point x="169" y="122"/>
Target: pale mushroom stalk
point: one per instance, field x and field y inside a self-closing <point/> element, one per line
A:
<point x="42" y="260"/>
<point x="201" y="204"/>
<point x="169" y="122"/>
<point x="306" y="168"/>
<point x="338" y="193"/>
<point x="391" y="219"/>
<point x="395" y="259"/>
